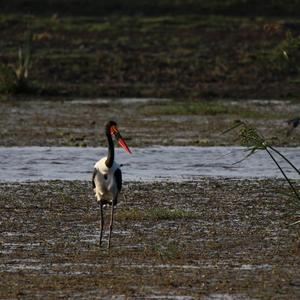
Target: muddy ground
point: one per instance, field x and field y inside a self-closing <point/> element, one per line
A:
<point x="143" y="123"/>
<point x="213" y="238"/>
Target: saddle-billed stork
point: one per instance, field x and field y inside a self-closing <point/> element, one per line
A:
<point x="107" y="176"/>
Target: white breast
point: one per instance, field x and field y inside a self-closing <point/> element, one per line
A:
<point x="105" y="182"/>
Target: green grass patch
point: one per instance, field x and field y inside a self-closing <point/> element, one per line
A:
<point x="169" y="251"/>
<point x="187" y="56"/>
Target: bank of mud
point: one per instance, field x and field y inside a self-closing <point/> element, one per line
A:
<point x="193" y="239"/>
<point x="143" y="122"/>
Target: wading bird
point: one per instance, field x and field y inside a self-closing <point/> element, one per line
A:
<point x="107" y="176"/>
<point x="293" y="123"/>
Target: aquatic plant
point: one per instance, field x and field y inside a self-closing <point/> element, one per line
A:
<point x="16" y="79"/>
<point x="253" y="141"/>
<point x="24" y="62"/>
<point x="285" y="57"/>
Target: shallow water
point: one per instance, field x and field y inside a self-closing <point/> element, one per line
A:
<point x="126" y="101"/>
<point x="217" y="296"/>
<point x="153" y="163"/>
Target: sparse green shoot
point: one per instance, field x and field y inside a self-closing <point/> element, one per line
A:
<point x="24" y="62"/>
<point x="14" y="80"/>
<point x="253" y="141"/>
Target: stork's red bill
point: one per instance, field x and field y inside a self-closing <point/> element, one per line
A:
<point x="116" y="133"/>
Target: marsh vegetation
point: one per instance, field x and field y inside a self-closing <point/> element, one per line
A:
<point x="140" y="55"/>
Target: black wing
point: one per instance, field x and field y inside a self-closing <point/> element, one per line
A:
<point x="93" y="178"/>
<point x="118" y="177"/>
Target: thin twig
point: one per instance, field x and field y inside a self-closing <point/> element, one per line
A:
<point x="275" y="150"/>
<point x="287" y="179"/>
<point x="251" y="151"/>
<point x="238" y="123"/>
<point x="229" y="153"/>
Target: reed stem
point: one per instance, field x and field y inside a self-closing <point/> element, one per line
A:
<point x="275" y="150"/>
<point x="287" y="179"/>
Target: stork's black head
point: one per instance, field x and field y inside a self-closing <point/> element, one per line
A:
<point x="110" y="124"/>
<point x="111" y="128"/>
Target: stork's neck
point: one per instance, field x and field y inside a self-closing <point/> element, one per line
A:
<point x="111" y="150"/>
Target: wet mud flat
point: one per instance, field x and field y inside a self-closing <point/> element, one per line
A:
<point x="143" y="121"/>
<point x="205" y="239"/>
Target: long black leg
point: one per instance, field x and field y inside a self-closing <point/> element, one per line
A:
<point x="101" y="222"/>
<point x="111" y="219"/>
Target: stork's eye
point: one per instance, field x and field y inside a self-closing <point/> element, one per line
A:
<point x="105" y="176"/>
